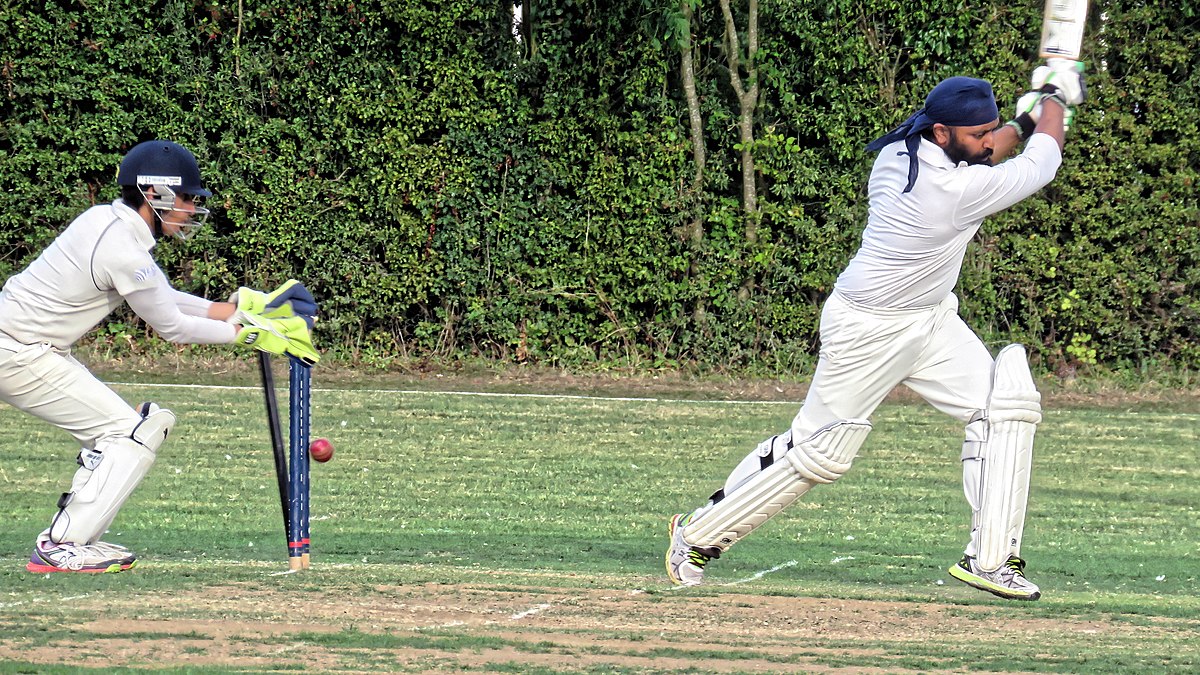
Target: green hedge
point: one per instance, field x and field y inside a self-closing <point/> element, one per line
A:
<point x="448" y="191"/>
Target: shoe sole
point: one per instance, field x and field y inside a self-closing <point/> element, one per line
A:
<point x="985" y="585"/>
<point x="111" y="569"/>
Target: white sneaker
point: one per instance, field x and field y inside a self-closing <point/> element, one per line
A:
<point x="685" y="563"/>
<point x="1007" y="582"/>
<point x="99" y="557"/>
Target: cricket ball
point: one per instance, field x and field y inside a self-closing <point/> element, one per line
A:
<point x="321" y="450"/>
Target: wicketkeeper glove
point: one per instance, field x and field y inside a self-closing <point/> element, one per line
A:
<point x="286" y="335"/>
<point x="290" y="299"/>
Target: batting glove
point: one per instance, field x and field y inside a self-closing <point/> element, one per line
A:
<point x="287" y="335"/>
<point x="1029" y="111"/>
<point x="1064" y="75"/>
<point x="1030" y="104"/>
<point x="1068" y="118"/>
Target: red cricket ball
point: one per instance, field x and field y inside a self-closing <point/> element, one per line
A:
<point x="321" y="450"/>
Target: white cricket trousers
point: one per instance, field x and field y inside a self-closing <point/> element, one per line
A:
<point x="866" y="352"/>
<point x="50" y="384"/>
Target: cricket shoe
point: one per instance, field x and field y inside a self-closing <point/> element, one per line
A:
<point x="1007" y="582"/>
<point x="685" y="563"/>
<point x="94" y="558"/>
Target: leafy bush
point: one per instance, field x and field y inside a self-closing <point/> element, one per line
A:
<point x="448" y="190"/>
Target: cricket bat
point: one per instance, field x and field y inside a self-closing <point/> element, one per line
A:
<point x="1062" y="29"/>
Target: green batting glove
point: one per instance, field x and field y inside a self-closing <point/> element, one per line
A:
<point x="1029" y="110"/>
<point x="1030" y="104"/>
<point x="1068" y="118"/>
<point x="287" y="335"/>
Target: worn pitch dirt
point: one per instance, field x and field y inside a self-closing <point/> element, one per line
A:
<point x="548" y="628"/>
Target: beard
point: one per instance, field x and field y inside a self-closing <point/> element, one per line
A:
<point x="958" y="153"/>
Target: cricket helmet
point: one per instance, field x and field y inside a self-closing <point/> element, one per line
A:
<point x="162" y="163"/>
<point x="170" y="169"/>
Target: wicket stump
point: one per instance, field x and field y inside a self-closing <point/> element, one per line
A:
<point x="299" y="417"/>
<point x="292" y="468"/>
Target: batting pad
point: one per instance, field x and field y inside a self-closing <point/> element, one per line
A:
<point x="1014" y="411"/>
<point x="107" y="476"/>
<point x="821" y="458"/>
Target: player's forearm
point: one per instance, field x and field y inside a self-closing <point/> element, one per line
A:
<point x="221" y="311"/>
<point x="1051" y="121"/>
<point x="193" y="305"/>
<point x="158" y="308"/>
<point x="1005" y="141"/>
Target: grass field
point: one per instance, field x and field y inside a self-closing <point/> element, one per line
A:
<point x="491" y="533"/>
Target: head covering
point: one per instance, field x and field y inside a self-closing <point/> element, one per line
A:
<point x="162" y="163"/>
<point x="957" y="102"/>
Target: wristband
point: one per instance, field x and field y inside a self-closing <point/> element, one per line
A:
<point x="1023" y="124"/>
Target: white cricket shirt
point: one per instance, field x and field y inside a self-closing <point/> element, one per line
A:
<point x="914" y="243"/>
<point x="101" y="260"/>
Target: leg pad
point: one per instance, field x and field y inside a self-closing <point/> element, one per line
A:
<point x="787" y="471"/>
<point x="107" y="475"/>
<point x="1002" y="462"/>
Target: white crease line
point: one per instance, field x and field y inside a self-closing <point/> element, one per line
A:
<point x="759" y="575"/>
<point x="530" y="612"/>
<point x="39" y="600"/>
<point x="756" y="576"/>
<point x="279" y="574"/>
<point x="451" y="624"/>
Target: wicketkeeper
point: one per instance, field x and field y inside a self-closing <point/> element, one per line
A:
<point x="101" y="260"/>
<point x="893" y="319"/>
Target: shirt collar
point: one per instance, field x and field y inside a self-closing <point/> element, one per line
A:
<point x="932" y="153"/>
<point x="141" y="231"/>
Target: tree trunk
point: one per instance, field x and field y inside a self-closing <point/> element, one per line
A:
<point x="695" y="228"/>
<point x="747" y="95"/>
<point x="687" y="69"/>
<point x="525" y="27"/>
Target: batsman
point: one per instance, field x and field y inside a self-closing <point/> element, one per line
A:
<point x="101" y="260"/>
<point x="892" y="318"/>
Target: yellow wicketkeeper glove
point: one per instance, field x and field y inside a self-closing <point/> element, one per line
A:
<point x="286" y="335"/>
<point x="290" y="299"/>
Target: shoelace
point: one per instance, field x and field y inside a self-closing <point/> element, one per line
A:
<point x="77" y="554"/>
<point x="74" y="557"/>
<point x="1016" y="565"/>
<point x="110" y="550"/>
<point x="697" y="558"/>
